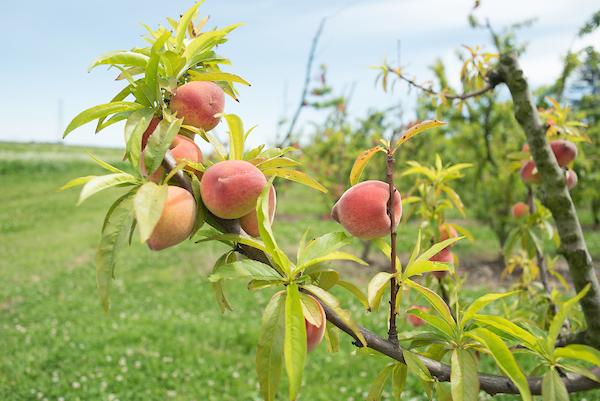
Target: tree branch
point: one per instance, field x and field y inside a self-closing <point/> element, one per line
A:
<point x="492" y="384"/>
<point x="462" y="96"/>
<point x="554" y="193"/>
<point x="309" y="63"/>
<point x="392" y="330"/>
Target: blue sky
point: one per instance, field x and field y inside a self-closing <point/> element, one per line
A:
<point x="49" y="45"/>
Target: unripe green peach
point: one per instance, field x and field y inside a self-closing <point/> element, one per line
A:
<point x="197" y="102"/>
<point x="443" y="256"/>
<point x="571" y="178"/>
<point x="564" y="151"/>
<point x="314" y="334"/>
<point x="520" y="209"/>
<point x="414" y="320"/>
<point x="249" y="222"/>
<point x="176" y="221"/>
<point x="230" y="188"/>
<point x="529" y="173"/>
<point x="362" y="210"/>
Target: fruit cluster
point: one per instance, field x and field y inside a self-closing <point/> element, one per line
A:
<point x="229" y="189"/>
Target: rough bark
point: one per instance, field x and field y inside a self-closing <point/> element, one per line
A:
<point x="554" y="193"/>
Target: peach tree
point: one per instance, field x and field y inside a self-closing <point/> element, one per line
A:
<point x="174" y="92"/>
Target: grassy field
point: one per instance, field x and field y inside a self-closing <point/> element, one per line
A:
<point x="165" y="338"/>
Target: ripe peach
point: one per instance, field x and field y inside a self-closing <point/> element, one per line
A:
<point x="529" y="173"/>
<point x="176" y="221"/>
<point x="564" y="151"/>
<point x="414" y="320"/>
<point x="314" y="334"/>
<point x="571" y="178"/>
<point x="230" y="188"/>
<point x="446" y="232"/>
<point x="198" y="102"/>
<point x="249" y="222"/>
<point x="525" y="148"/>
<point x="520" y="209"/>
<point x="362" y="210"/>
<point x="443" y="256"/>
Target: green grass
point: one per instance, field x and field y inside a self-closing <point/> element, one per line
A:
<point x="165" y="338"/>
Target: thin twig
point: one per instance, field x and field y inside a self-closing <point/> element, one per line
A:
<point x="392" y="330"/>
<point x="307" y="77"/>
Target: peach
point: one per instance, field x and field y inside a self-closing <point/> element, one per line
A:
<point x="571" y="178"/>
<point x="249" y="222"/>
<point x="520" y="209"/>
<point x="362" y="210"/>
<point x="529" y="173"/>
<point x="525" y="148"/>
<point x="564" y="151"/>
<point x="181" y="148"/>
<point x="446" y="232"/>
<point x="176" y="221"/>
<point x="443" y="256"/>
<point x="314" y="334"/>
<point x="197" y="102"/>
<point x="414" y="320"/>
<point x="230" y="188"/>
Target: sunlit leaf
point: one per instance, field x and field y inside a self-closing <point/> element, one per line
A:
<point x="361" y="162"/>
<point x="269" y="349"/>
<point x="295" y="340"/>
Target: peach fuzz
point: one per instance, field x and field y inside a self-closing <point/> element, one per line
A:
<point x="362" y="210"/>
<point x="176" y="221"/>
<point x="197" y="102"/>
<point x="249" y="222"/>
<point x="230" y="188"/>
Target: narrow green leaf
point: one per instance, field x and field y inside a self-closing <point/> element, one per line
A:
<point x="553" y="388"/>
<point x="504" y="359"/>
<point x="376" y="288"/>
<point x="159" y="142"/>
<point x="416" y="366"/>
<point x="354" y="290"/>
<point x="295" y="340"/>
<point x="436" y="248"/>
<point x="151" y="73"/>
<point x="321" y="246"/>
<point x="378" y="384"/>
<point x="417" y="129"/>
<point x="265" y="231"/>
<point x="434" y="299"/>
<point x="217" y="76"/>
<point x="245" y="268"/>
<point x="269" y="350"/>
<point x="136" y="125"/>
<point x="436" y="322"/>
<point x="361" y="162"/>
<point x="563" y="312"/>
<point x="464" y="380"/>
<point x="77" y="182"/>
<point x="217" y="286"/>
<point x="295" y="175"/>
<point x="580" y="352"/>
<point x="236" y="238"/>
<point x="123" y="58"/>
<point x="236" y="136"/>
<point x="114" y="235"/>
<point x="103" y="182"/>
<point x="183" y="24"/>
<point x="480" y="303"/>
<point x="508" y="327"/>
<point x="336" y="255"/>
<point x="99" y="111"/>
<point x="332" y="338"/>
<point x="149" y="202"/>
<point x="398" y="380"/>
